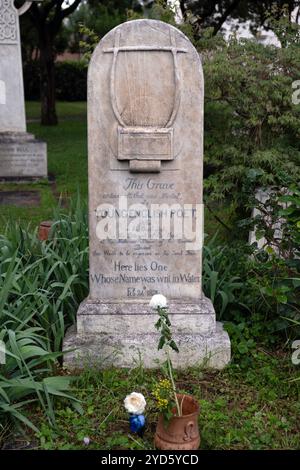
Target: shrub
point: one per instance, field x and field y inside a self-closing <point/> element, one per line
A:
<point x="70" y="80"/>
<point x="31" y="75"/>
<point x="257" y="289"/>
<point x="250" y="120"/>
<point x="274" y="271"/>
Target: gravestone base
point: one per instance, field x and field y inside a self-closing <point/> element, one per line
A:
<point x="22" y="157"/>
<point x="123" y="335"/>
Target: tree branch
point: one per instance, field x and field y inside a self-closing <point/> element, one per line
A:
<point x="225" y="15"/>
<point x="58" y="17"/>
<point x="67" y="11"/>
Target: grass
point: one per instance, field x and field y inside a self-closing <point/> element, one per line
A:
<point x="252" y="408"/>
<point x="76" y="109"/>
<point x="67" y="163"/>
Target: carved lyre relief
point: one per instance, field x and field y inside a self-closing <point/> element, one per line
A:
<point x="144" y="114"/>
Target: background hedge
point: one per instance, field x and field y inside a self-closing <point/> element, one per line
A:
<point x="70" y="77"/>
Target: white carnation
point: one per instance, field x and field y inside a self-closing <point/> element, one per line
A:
<point x="158" y="300"/>
<point x="135" y="403"/>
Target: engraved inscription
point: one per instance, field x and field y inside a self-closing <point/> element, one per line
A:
<point x="141" y="279"/>
<point x="23" y="160"/>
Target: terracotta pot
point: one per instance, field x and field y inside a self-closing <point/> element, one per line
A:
<point x="44" y="229"/>
<point x="181" y="432"/>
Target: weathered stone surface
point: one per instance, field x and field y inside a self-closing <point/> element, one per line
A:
<point x="145" y="133"/>
<point x="144" y="106"/>
<point x="118" y="350"/>
<point x="12" y="109"/>
<point x="22" y="156"/>
<point x="136" y="319"/>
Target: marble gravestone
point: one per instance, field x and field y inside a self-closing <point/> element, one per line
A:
<point x="21" y="155"/>
<point x="145" y="146"/>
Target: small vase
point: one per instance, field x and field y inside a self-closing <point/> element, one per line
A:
<point x="137" y="424"/>
<point x="44" y="230"/>
<point x="181" y="432"/>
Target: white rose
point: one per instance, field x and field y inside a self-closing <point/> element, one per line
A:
<point x="158" y="300"/>
<point x="135" y="403"/>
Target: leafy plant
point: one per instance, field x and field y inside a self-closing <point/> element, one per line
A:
<point x="274" y="270"/>
<point x="250" y="119"/>
<point x="242" y="343"/>
<point x="41" y="286"/>
<point x="220" y="283"/>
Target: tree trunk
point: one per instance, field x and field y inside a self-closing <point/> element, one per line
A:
<point x="47" y="71"/>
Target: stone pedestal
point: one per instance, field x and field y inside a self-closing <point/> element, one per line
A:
<point x="123" y="334"/>
<point x="22" y="156"/>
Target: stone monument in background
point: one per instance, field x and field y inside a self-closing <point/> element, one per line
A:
<point x="21" y="155"/>
<point x="145" y="146"/>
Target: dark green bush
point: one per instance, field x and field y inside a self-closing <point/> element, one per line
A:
<point x="70" y="80"/>
<point x="31" y="75"/>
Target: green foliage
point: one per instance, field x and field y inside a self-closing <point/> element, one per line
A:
<point x="43" y="283"/>
<point x="274" y="271"/>
<point x="41" y="286"/>
<point x="256" y="407"/>
<point x="219" y="281"/>
<point x="257" y="288"/>
<point x="70" y="80"/>
<point x="31" y="76"/>
<point x="242" y="341"/>
<point x="250" y="120"/>
<point x="163" y="325"/>
<point x="202" y="15"/>
<point x="89" y="41"/>
<point x="94" y="19"/>
<point x="278" y="19"/>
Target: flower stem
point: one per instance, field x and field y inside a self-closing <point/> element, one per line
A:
<point x="173" y="383"/>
